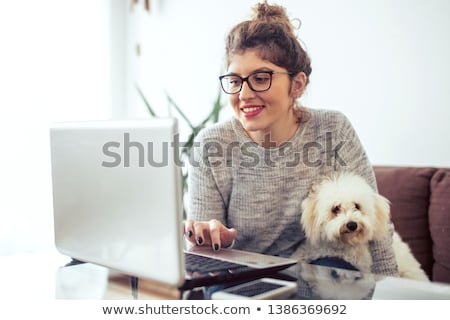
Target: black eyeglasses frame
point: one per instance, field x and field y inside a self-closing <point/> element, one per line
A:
<point x="245" y="79"/>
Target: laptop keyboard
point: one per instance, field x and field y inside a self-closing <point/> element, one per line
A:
<point x="196" y="263"/>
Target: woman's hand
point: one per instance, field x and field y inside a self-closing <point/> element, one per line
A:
<point x="209" y="233"/>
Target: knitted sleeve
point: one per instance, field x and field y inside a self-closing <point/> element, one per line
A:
<point x="205" y="199"/>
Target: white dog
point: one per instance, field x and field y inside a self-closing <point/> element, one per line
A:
<point x="341" y="215"/>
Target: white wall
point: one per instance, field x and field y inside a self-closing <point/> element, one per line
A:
<point x="54" y="66"/>
<point x="384" y="63"/>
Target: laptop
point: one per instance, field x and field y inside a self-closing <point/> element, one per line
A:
<point x="117" y="202"/>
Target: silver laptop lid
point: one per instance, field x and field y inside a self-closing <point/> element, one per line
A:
<point x="117" y="196"/>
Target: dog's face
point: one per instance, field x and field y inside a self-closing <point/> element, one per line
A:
<point x="344" y="208"/>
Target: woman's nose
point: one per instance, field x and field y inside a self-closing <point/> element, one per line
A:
<point x="246" y="92"/>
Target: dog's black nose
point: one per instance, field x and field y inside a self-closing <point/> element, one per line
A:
<point x="352" y="226"/>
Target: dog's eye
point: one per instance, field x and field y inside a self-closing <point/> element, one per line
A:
<point x="357" y="206"/>
<point x="336" y="209"/>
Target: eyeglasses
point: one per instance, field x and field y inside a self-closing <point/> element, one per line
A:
<point x="258" y="81"/>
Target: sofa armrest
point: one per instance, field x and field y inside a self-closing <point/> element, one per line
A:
<point x="439" y="219"/>
<point x="408" y="190"/>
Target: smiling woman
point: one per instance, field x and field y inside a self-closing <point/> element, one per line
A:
<point x="257" y="207"/>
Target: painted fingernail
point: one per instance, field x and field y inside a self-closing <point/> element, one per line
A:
<point x="199" y="240"/>
<point x="216" y="247"/>
<point x="189" y="233"/>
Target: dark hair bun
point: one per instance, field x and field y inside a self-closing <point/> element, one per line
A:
<point x="265" y="12"/>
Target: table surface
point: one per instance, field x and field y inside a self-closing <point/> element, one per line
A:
<point x="46" y="276"/>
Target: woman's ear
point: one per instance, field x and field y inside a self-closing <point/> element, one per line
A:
<point x="298" y="85"/>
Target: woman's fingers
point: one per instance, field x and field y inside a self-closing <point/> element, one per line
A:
<point x="189" y="230"/>
<point x="228" y="236"/>
<point x="215" y="228"/>
<point x="201" y="233"/>
<point x="209" y="233"/>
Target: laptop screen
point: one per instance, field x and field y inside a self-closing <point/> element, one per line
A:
<point x="117" y="196"/>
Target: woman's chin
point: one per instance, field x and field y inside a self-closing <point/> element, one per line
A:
<point x="250" y="124"/>
<point x="250" y="127"/>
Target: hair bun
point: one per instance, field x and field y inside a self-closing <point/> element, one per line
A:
<point x="265" y="12"/>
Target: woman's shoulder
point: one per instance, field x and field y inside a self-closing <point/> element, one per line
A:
<point x="321" y="123"/>
<point x="324" y="115"/>
<point x="329" y="120"/>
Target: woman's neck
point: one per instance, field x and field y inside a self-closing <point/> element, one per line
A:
<point x="276" y="135"/>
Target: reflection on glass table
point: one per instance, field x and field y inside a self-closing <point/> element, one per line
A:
<point x="329" y="283"/>
<point x="89" y="281"/>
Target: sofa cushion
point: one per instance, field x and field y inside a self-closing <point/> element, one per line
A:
<point x="408" y="189"/>
<point x="439" y="215"/>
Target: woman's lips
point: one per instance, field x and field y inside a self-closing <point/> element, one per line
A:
<point x="251" y="111"/>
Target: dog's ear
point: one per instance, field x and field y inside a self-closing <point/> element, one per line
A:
<point x="309" y="218"/>
<point x="383" y="216"/>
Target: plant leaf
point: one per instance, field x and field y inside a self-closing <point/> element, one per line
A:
<point x="179" y="111"/>
<point x="149" y="108"/>
<point x="215" y="112"/>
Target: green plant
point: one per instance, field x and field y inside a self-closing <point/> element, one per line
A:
<point x="212" y="117"/>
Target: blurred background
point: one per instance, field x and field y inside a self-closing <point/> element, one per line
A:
<point x="384" y="63"/>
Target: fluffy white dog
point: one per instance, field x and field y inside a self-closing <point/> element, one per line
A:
<point x="341" y="215"/>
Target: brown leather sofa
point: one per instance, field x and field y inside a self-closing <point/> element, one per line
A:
<point x="420" y="209"/>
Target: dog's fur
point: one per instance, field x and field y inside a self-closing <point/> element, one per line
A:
<point x="341" y="214"/>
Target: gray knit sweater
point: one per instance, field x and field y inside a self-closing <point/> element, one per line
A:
<point x="259" y="191"/>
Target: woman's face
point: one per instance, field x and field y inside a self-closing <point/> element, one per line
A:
<point x="263" y="112"/>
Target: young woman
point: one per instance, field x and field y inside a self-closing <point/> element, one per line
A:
<point x="252" y="172"/>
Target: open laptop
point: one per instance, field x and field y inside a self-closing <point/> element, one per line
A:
<point x="118" y="203"/>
